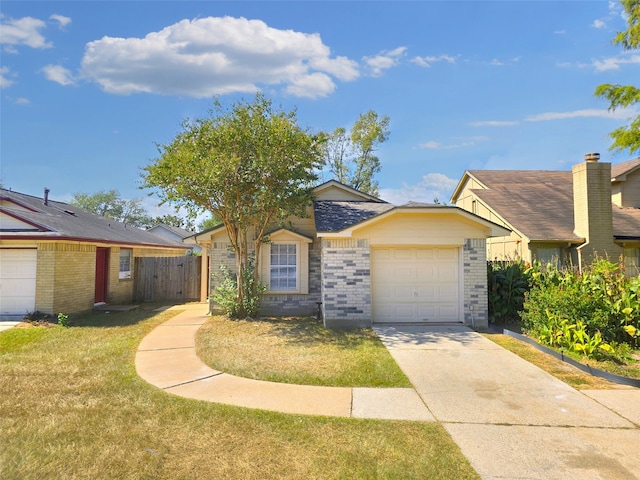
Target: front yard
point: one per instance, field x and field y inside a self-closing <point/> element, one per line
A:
<point x="72" y="406"/>
<point x="299" y="351"/>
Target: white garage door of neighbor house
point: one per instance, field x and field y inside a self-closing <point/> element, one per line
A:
<point x="412" y="285"/>
<point x="17" y="281"/>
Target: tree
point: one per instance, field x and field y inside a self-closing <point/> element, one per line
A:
<point x="624" y="96"/>
<point x="351" y="157"/>
<point x="174" y="221"/>
<point x="208" y="223"/>
<point x="250" y="165"/>
<point x="109" y="204"/>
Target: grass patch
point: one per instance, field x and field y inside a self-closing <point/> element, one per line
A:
<point x="72" y="406"/>
<point x="559" y="369"/>
<point x="299" y="351"/>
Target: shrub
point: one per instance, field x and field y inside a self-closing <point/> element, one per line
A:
<point x="507" y="285"/>
<point x="585" y="313"/>
<point x="63" y="320"/>
<point x="226" y="293"/>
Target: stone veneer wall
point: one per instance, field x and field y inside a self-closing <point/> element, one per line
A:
<point x="476" y="307"/>
<point x="272" y="304"/>
<point x="306" y="304"/>
<point x="220" y="254"/>
<point x="346" y="283"/>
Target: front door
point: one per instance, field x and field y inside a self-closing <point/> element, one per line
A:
<point x="102" y="274"/>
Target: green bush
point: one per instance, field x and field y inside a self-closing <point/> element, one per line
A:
<point x="226" y="293"/>
<point x="507" y="285"/>
<point x="63" y="320"/>
<point x="593" y="313"/>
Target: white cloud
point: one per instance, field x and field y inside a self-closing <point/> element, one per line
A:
<point x="599" y="23"/>
<point x="494" y="123"/>
<point x="22" y="31"/>
<point x="22" y="101"/>
<point x="311" y="86"/>
<point x="469" y="142"/>
<point x="431" y="186"/>
<point x="560" y="32"/>
<point x="619" y="114"/>
<point x="216" y="55"/>
<point x="427" y="61"/>
<point x="497" y="63"/>
<point x="606" y="64"/>
<point x="61" y="20"/>
<point x="5" y="81"/>
<point x="58" y="74"/>
<point x="384" y="60"/>
<point x="614" y="63"/>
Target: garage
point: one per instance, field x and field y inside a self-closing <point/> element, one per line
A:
<point x="17" y="281"/>
<point x="416" y="285"/>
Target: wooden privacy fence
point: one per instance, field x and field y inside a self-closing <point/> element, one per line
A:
<point x="166" y="278"/>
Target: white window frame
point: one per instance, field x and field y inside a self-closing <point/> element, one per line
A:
<point x="288" y="237"/>
<point x="631" y="258"/>
<point x="123" y="272"/>
<point x="549" y="254"/>
<point x="296" y="245"/>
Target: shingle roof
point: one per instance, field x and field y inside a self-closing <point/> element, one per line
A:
<point x="539" y="203"/>
<point x="181" y="232"/>
<point x="626" y="222"/>
<point x="333" y="216"/>
<point x="624" y="167"/>
<point x="58" y="220"/>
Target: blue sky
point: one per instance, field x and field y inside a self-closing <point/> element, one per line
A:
<point x="88" y="88"/>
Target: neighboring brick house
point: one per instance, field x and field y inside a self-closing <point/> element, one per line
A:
<point x="56" y="257"/>
<point x="564" y="217"/>
<point x="363" y="261"/>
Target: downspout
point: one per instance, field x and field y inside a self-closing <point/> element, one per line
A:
<point x="579" y="250"/>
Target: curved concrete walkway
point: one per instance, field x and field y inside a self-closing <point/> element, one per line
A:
<point x="167" y="359"/>
<point x="509" y="418"/>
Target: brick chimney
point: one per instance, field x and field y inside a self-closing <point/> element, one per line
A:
<point x="592" y="212"/>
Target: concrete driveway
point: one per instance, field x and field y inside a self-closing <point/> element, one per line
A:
<point x="512" y="419"/>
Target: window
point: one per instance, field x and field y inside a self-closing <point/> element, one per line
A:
<point x="548" y="255"/>
<point x="125" y="263"/>
<point x="283" y="275"/>
<point x="632" y="261"/>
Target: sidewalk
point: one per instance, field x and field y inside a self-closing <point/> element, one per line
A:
<point x="167" y="359"/>
<point x="510" y="418"/>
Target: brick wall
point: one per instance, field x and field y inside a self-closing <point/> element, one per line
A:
<point x="346" y="283"/>
<point x="476" y="307"/>
<point x="66" y="277"/>
<point x="307" y="304"/>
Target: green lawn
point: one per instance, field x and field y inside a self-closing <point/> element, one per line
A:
<point x="72" y="406"/>
<point x="298" y="350"/>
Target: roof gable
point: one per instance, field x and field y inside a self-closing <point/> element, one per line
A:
<point x="334" y="190"/>
<point x="430" y="212"/>
<point x="620" y="171"/>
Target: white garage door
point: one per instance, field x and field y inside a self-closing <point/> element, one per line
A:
<point x="415" y="285"/>
<point x="17" y="281"/>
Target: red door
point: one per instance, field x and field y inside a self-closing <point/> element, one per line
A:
<point x="102" y="274"/>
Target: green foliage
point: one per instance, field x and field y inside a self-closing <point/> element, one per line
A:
<point x="351" y="157"/>
<point x="625" y="96"/>
<point x="250" y="165"/>
<point x="175" y="221"/>
<point x="109" y="204"/>
<point x="63" y="320"/>
<point x="208" y="223"/>
<point x="593" y="313"/>
<point x="226" y="293"/>
<point x="507" y="285"/>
